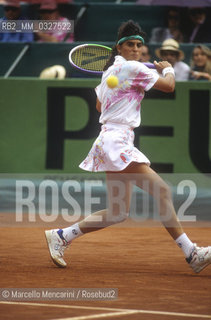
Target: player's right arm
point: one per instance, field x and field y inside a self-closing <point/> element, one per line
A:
<point x="166" y="83"/>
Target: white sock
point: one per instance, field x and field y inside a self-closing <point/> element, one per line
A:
<point x="185" y="244"/>
<point x="72" y="232"/>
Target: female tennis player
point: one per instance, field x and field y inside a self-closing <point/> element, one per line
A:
<point x="114" y="151"/>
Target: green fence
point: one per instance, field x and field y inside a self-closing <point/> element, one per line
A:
<point x="49" y="126"/>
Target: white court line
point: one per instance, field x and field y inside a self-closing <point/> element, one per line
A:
<point x="177" y="314"/>
<point x="64" y="306"/>
<point x="101" y="315"/>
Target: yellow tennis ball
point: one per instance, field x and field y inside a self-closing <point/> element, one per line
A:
<point x="112" y="82"/>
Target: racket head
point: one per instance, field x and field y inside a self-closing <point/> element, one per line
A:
<point x="90" y="58"/>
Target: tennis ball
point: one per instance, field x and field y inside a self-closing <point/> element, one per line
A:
<point x="112" y="82"/>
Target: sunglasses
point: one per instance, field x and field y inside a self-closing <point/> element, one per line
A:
<point x="169" y="52"/>
<point x="10" y="8"/>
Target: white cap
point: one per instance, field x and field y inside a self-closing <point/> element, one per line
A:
<point x="54" y="72"/>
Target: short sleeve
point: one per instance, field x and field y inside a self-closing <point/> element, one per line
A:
<point x="154" y="76"/>
<point x="143" y="76"/>
<point x="99" y="92"/>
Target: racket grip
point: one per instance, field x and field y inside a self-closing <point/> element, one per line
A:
<point x="149" y="65"/>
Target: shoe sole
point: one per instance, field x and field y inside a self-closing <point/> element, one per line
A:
<point x="201" y="268"/>
<point x="48" y="240"/>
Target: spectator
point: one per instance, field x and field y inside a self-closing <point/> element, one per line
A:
<point x="201" y="63"/>
<point x="49" y="11"/>
<point x="198" y="28"/>
<point x="145" y="54"/>
<point x="171" y="31"/>
<point x="12" y="11"/>
<point x="170" y="52"/>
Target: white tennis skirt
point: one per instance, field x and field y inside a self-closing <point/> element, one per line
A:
<point x="113" y="150"/>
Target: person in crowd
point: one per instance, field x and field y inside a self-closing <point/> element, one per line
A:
<point x="201" y="63"/>
<point x="198" y="27"/>
<point x="145" y="53"/>
<point x="12" y="11"/>
<point x="159" y="34"/>
<point x="49" y="11"/>
<point x="171" y="52"/>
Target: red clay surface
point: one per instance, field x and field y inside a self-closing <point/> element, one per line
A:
<point x="143" y="263"/>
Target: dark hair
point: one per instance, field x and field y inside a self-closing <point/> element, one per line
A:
<point x="126" y="29"/>
<point x="173" y="13"/>
<point x="11" y="8"/>
<point x="195" y="11"/>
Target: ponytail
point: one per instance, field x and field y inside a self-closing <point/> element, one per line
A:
<point x="109" y="63"/>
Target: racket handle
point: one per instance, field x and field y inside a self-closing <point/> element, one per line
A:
<point x="149" y="65"/>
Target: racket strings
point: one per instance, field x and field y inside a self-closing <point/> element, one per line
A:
<point x="91" y="58"/>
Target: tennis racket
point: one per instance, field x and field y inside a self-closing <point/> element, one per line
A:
<point x="92" y="58"/>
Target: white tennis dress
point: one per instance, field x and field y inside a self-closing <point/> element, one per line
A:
<point x="113" y="150"/>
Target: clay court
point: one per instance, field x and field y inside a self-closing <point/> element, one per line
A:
<point x="153" y="280"/>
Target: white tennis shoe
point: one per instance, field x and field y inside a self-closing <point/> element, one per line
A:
<point x="56" y="244"/>
<point x="200" y="258"/>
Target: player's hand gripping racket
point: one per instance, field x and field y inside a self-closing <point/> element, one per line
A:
<point x="92" y="58"/>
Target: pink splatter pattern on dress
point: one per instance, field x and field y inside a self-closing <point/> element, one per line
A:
<point x="137" y="93"/>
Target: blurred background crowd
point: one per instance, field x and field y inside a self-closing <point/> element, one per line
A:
<point x="189" y="25"/>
